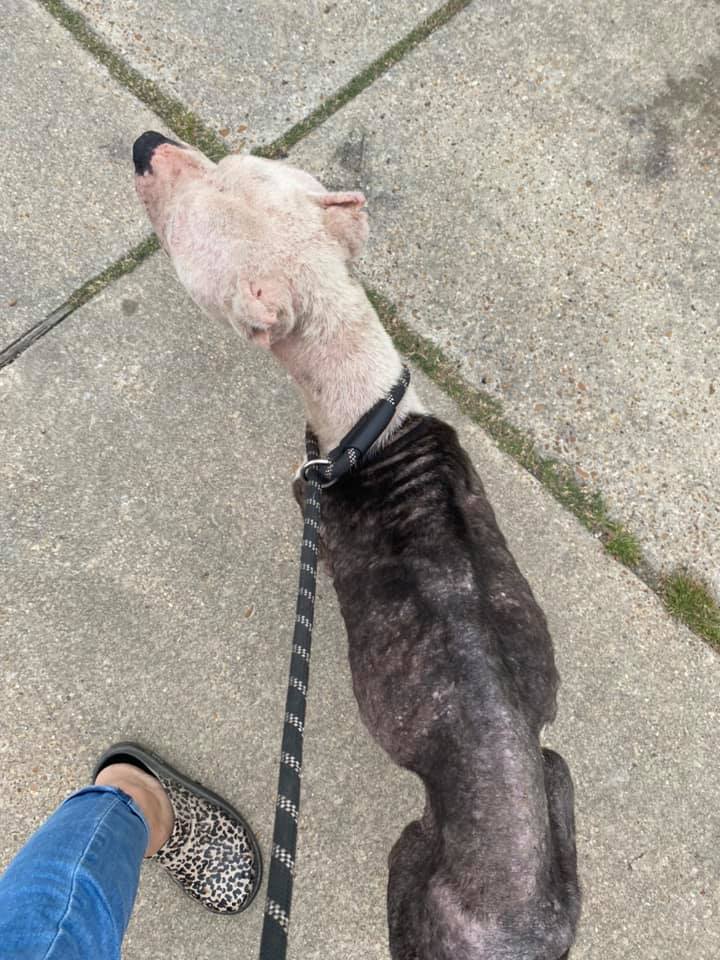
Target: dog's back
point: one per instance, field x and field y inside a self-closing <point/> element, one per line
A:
<point x="454" y="674"/>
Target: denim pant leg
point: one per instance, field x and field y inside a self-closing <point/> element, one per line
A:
<point x="69" y="892"/>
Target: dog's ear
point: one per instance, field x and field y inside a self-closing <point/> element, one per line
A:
<point x="255" y="307"/>
<point x="345" y="219"/>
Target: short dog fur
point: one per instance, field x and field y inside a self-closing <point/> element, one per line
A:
<point x="451" y="659"/>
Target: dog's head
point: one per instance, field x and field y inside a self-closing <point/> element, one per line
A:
<point x="250" y="239"/>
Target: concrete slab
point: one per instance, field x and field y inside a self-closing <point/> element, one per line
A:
<point x="147" y="557"/>
<point x="252" y="70"/>
<point x="543" y="187"/>
<point x="68" y="207"/>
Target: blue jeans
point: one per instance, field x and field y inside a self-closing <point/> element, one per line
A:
<point x="69" y="892"/>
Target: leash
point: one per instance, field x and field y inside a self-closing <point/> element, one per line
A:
<point x="318" y="473"/>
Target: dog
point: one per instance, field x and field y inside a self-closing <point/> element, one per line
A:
<point x="452" y="663"/>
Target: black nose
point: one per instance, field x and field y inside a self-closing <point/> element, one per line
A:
<point x="145" y="146"/>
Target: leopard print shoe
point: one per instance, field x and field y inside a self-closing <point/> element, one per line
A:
<point x="212" y="852"/>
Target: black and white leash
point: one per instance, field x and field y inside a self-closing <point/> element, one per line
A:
<point x="318" y="473"/>
<point x="273" y="944"/>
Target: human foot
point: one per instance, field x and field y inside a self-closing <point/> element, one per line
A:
<point x="210" y="850"/>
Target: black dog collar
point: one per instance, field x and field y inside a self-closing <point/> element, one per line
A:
<point x="353" y="448"/>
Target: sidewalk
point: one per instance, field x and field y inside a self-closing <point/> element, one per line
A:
<point x="149" y="538"/>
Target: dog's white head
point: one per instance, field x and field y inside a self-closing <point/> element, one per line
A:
<point x="255" y="242"/>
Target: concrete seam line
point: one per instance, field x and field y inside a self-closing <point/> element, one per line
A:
<point x="84" y="293"/>
<point x="364" y="79"/>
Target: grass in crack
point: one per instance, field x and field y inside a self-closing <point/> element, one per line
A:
<point x="183" y="122"/>
<point x="624" y="547"/>
<point x="126" y="264"/>
<point x="687" y="598"/>
<point x="690" y="600"/>
<point x="364" y="79"/>
<point x="133" y="258"/>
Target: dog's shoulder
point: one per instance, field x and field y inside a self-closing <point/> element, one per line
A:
<point x="421" y="482"/>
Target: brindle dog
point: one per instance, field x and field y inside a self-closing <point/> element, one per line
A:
<point x="451" y="659"/>
<point x="454" y="674"/>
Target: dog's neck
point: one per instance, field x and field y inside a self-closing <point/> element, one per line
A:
<point x="342" y="367"/>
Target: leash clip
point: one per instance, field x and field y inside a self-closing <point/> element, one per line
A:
<point x="312" y="463"/>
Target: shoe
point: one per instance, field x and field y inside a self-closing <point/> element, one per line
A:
<point x="211" y="853"/>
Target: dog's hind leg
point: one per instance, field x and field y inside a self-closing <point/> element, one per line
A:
<point x="560" y="795"/>
<point x="410" y="864"/>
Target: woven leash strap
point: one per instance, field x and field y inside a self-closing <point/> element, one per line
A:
<point x="273" y="944"/>
<point x="346" y="457"/>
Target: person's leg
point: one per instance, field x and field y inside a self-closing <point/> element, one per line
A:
<point x="69" y="892"/>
